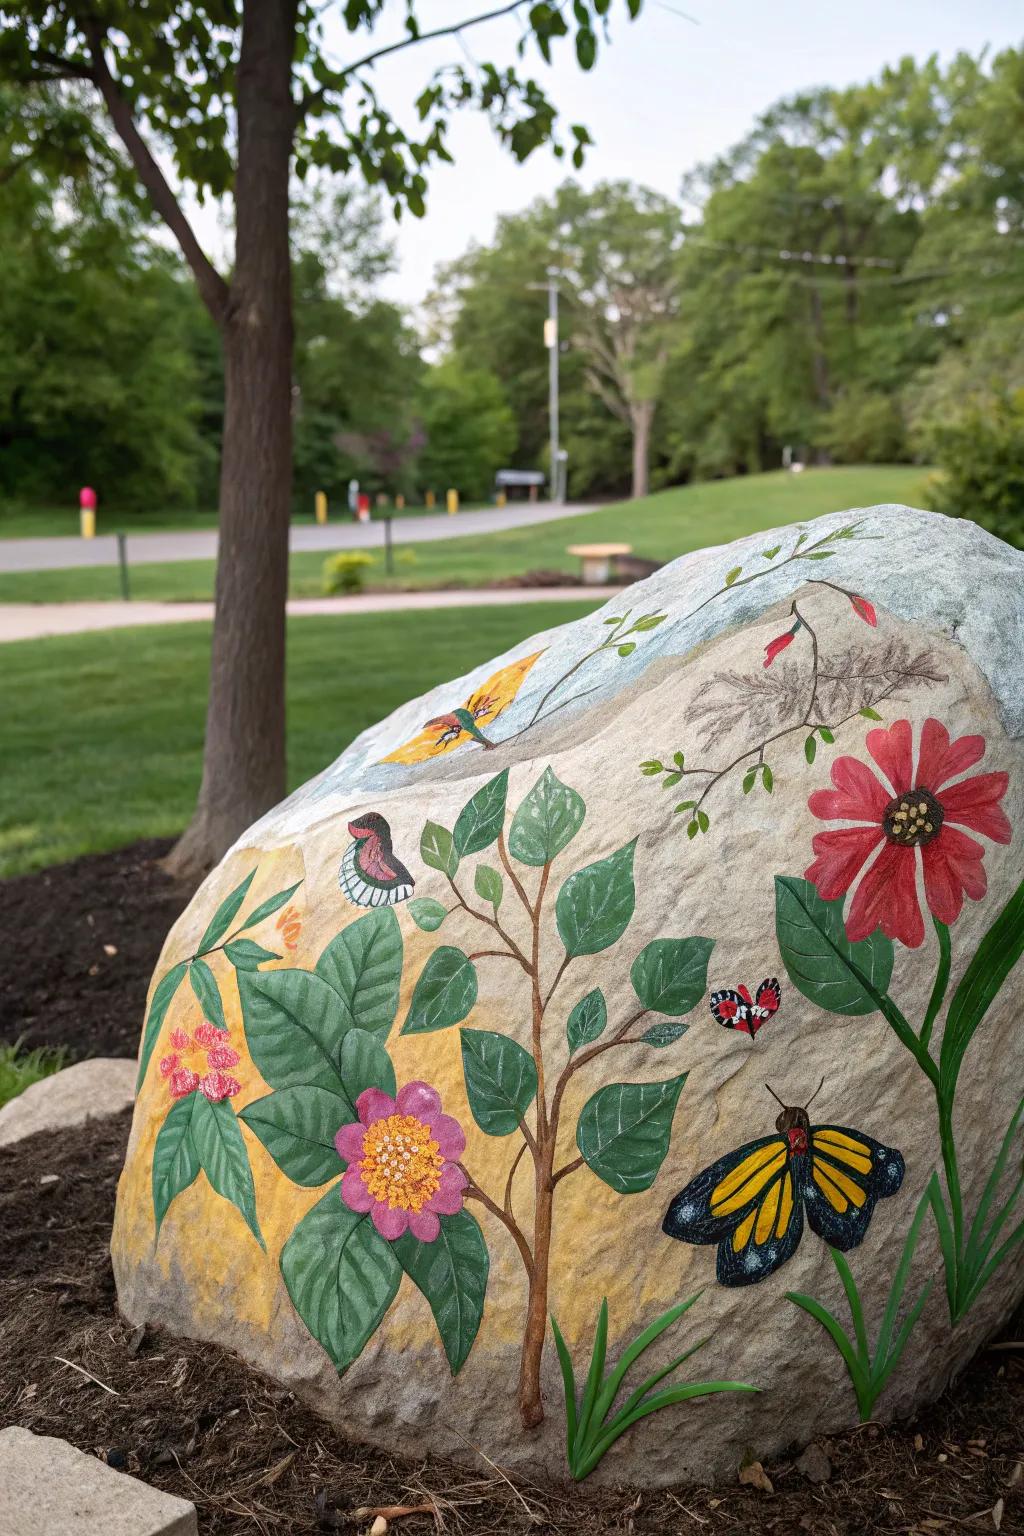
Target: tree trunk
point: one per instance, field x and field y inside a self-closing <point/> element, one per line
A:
<point x="642" y="416"/>
<point x="244" y="754"/>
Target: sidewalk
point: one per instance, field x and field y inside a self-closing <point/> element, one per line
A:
<point x="61" y="553"/>
<point x="30" y="621"/>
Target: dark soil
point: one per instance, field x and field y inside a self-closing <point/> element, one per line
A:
<point x="193" y="1420"/>
<point x="87" y="936"/>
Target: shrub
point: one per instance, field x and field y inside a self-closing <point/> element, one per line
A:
<point x="19" y="1069"/>
<point x="981" y="463"/>
<point x="346" y="572"/>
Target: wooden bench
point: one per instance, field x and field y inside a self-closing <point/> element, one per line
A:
<point x="597" y="560"/>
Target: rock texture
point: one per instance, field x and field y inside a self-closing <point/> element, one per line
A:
<point x="480" y="1025"/>
<point x="48" y="1486"/>
<point x="86" y="1091"/>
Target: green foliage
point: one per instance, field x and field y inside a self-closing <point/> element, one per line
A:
<point x="624" y="1131"/>
<point x="591" y="1428"/>
<point x="595" y="904"/>
<point x="469" y="429"/>
<point x="346" y="571"/>
<point x="501" y="1080"/>
<point x="981" y="468"/>
<point x="19" y="1068"/>
<point x="341" y="1276"/>
<point x="444" y="993"/>
<point x="451" y="1272"/>
<point x="546" y="821"/>
<point x="822" y="963"/>
<point x="870" y="1371"/>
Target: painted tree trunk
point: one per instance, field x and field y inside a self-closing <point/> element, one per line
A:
<point x="244" y="754"/>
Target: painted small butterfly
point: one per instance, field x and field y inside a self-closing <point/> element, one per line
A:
<point x="738" y="1010"/>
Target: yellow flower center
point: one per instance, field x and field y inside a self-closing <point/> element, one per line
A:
<point x="401" y="1164"/>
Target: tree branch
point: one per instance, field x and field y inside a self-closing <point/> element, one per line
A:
<point x="213" y="290"/>
<point x="313" y="98"/>
<point x="474" y="1192"/>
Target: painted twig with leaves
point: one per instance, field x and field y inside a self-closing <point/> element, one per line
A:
<point x="869" y="1370"/>
<point x="623" y="1130"/>
<point x="618" y="639"/>
<point x="591" y="1429"/>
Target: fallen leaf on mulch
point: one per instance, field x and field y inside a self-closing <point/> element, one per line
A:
<point x="755" y="1476"/>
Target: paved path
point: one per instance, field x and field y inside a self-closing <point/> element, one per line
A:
<point x="54" y="554"/>
<point x="30" y="621"/>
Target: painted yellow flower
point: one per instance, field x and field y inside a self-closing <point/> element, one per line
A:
<point x="446" y="732"/>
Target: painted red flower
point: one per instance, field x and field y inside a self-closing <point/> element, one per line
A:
<point x="402" y="1157"/>
<point x="863" y="609"/>
<point x="218" y="1085"/>
<point x="914" y="810"/>
<point x="776" y="646"/>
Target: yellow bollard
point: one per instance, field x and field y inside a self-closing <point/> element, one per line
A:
<point x="500" y="499"/>
<point x="453" y="503"/>
<point x="399" y="502"/>
<point x="321" y="506"/>
<point x="87" y="517"/>
<point x="430" y="499"/>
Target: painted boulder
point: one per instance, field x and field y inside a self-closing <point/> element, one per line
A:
<point x="668" y="959"/>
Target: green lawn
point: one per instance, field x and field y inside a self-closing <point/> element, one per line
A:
<point x="660" y="527"/>
<point x="103" y="733"/>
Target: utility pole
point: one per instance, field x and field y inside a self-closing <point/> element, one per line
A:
<point x="551" y="342"/>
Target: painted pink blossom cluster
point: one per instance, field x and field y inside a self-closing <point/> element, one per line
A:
<point x="402" y="1157"/>
<point x="216" y="1082"/>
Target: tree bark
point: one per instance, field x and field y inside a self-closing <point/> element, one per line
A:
<point x="642" y="414"/>
<point x="244" y="753"/>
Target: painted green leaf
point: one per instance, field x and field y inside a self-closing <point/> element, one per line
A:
<point x="748" y="780"/>
<point x="692" y="828"/>
<point x="769" y="554"/>
<point x="271" y="905"/>
<point x="810" y="749"/>
<point x="587" y="1020"/>
<point x="767" y="778"/>
<point x="205" y="987"/>
<point x="294" y="1027"/>
<point x="298" y="1126"/>
<point x="665" y="1033"/>
<point x="869" y="713"/>
<point x="175" y="1161"/>
<point x="365" y="1064"/>
<point x="684" y="805"/>
<point x="341" y="1276"/>
<point x="628" y="648"/>
<point x="221" y="920"/>
<point x="437" y="849"/>
<point x="733" y="574"/>
<point x="595" y="904"/>
<point x="995" y="957"/>
<point x="546" y="821"/>
<point x="363" y="964"/>
<point x="671" y="975"/>
<point x="822" y="963"/>
<point x="451" y="1272"/>
<point x="703" y="820"/>
<point x="649" y="621"/>
<point x="501" y="1080"/>
<point x="489" y="885"/>
<point x="671" y="779"/>
<point x="246" y="954"/>
<point x="826" y="735"/>
<point x="444" y="994"/>
<point x="482" y="817"/>
<point x="163" y="996"/>
<point x="624" y="1132"/>
<point x="652" y="766"/>
<point x="222" y="1153"/>
<point x="427" y="913"/>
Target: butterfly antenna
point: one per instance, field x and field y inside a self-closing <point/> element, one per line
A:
<point x="775" y="1096"/>
<point x="814" y="1095"/>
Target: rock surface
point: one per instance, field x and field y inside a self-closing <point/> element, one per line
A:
<point x="47" y="1486"/>
<point x="489" y="1021"/>
<point x="86" y="1091"/>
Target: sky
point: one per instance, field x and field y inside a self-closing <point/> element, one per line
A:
<point x="668" y="93"/>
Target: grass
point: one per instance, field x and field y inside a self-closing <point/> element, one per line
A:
<point x="103" y="733"/>
<point x="659" y="527"/>
<point x="20" y="1069"/>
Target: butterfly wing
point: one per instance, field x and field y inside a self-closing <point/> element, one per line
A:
<point x="768" y="996"/>
<point x="731" y="1009"/>
<point x="842" y="1180"/>
<point x="747" y="1203"/>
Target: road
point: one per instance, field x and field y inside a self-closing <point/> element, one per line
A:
<point x="54" y="554"/>
<point x="30" y="621"/>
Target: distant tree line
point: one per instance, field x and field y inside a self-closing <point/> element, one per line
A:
<point x="848" y="282"/>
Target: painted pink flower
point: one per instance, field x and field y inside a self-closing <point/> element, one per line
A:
<point x="183" y="1082"/>
<point x="218" y="1085"/>
<point x="208" y="1034"/>
<point x="402" y="1157"/>
<point x="907" y="810"/>
<point x="222" y="1056"/>
<point x="169" y="1064"/>
<point x="181" y="1039"/>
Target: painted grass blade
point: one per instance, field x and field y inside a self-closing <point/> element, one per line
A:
<point x="856" y="1310"/>
<point x="899" y="1282"/>
<point x="640" y="1344"/>
<point x="992" y="1185"/>
<point x="879" y="1378"/>
<point x="679" y="1394"/>
<point x="838" y="1335"/>
<point x="947" y="1243"/>
<point x="569" y="1383"/>
<point x="596" y="1373"/>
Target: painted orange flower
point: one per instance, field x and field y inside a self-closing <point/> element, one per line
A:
<point x="289" y="926"/>
<point x="905" y="809"/>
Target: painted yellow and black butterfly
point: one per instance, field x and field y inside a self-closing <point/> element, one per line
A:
<point x="752" y="1201"/>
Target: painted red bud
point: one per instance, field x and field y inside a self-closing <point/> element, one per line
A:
<point x="774" y="647"/>
<point x="864" y="610"/>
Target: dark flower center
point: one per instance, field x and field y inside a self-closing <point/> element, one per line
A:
<point x="913" y="819"/>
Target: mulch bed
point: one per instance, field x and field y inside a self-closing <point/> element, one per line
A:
<point x="194" y="1420"/>
<point x="87" y="936"/>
